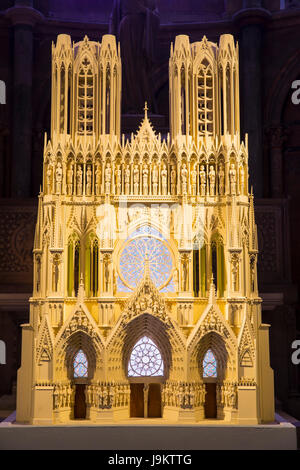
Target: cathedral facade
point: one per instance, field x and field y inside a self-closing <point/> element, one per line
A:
<point x="145" y="301"/>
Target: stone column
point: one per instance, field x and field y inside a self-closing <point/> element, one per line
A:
<point x="251" y="20"/>
<point x="277" y="137"/>
<point x="23" y="18"/>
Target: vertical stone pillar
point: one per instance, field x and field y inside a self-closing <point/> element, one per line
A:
<point x="251" y="20"/>
<point x="23" y="18"/>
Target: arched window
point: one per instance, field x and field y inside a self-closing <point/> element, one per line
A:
<point x="85" y="105"/>
<point x="209" y="365"/>
<point x="80" y="365"/>
<point x="205" y="99"/>
<point x="145" y="360"/>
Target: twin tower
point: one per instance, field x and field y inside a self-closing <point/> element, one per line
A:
<point x="87" y="83"/>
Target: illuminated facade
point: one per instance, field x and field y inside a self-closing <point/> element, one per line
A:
<point x="145" y="299"/>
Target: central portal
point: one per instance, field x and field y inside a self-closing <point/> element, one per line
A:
<point x="145" y="400"/>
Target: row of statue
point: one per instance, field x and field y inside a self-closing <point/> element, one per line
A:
<point x="63" y="396"/>
<point x="227" y="395"/>
<point x="183" y="394"/>
<point x="107" y="395"/>
<point x="144" y="180"/>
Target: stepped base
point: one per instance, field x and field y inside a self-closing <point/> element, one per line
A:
<point x="148" y="434"/>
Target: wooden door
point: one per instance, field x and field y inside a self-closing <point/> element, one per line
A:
<point x="154" y="401"/>
<point x="210" y="407"/>
<point x="80" y="403"/>
<point x="137" y="400"/>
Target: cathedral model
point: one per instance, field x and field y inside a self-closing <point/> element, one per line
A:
<point x="145" y="301"/>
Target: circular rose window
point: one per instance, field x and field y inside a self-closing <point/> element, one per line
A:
<point x="134" y="255"/>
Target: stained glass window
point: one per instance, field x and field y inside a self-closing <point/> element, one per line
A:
<point x="145" y="360"/>
<point x="209" y="365"/>
<point x="80" y="365"/>
<point x="133" y="257"/>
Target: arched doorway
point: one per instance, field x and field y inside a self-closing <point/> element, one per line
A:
<point x="210" y="379"/>
<point x="146" y="374"/>
<point x="213" y="364"/>
<point x="80" y="374"/>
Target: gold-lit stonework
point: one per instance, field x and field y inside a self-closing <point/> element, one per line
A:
<point x="145" y="299"/>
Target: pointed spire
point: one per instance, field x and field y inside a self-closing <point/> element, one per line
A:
<point x="81" y="291"/>
<point x="212" y="291"/>
<point x="146" y="109"/>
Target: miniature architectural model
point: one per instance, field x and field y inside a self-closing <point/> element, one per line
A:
<point x="145" y="299"/>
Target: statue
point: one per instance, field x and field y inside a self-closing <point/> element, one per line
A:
<point x="70" y="180"/>
<point x="145" y="180"/>
<point x="154" y="180"/>
<point x="184" y="175"/>
<point x="136" y="179"/>
<point x="58" y="176"/>
<point x="135" y="24"/>
<point x="79" y="180"/>
<point x="173" y="181"/>
<point x="107" y="178"/>
<point x="194" y="181"/>
<point x="242" y="180"/>
<point x="212" y="180"/>
<point x="118" y="180"/>
<point x="89" y="181"/>
<point x="221" y="179"/>
<point x="127" y="180"/>
<point x="202" y="181"/>
<point x="164" y="180"/>
<point x="49" y="180"/>
<point x="232" y="179"/>
<point x="97" y="180"/>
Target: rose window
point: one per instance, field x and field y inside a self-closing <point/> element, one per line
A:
<point x="134" y="255"/>
<point x="145" y="360"/>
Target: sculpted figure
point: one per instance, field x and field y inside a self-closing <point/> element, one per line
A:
<point x="145" y="180"/>
<point x="164" y="180"/>
<point x="70" y="180"/>
<point x="118" y="180"/>
<point x="107" y="178"/>
<point x="49" y="180"/>
<point x="212" y="180"/>
<point x="232" y="179"/>
<point x="184" y="175"/>
<point x="127" y="180"/>
<point x="194" y="181"/>
<point x="136" y="179"/>
<point x="154" y="180"/>
<point x="97" y="180"/>
<point x="242" y="180"/>
<point x="173" y="181"/>
<point x="89" y="181"/>
<point x="58" y="177"/>
<point x="202" y="181"/>
<point x="221" y="179"/>
<point x="79" y="180"/>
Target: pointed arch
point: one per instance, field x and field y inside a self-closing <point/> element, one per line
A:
<point x="212" y="356"/>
